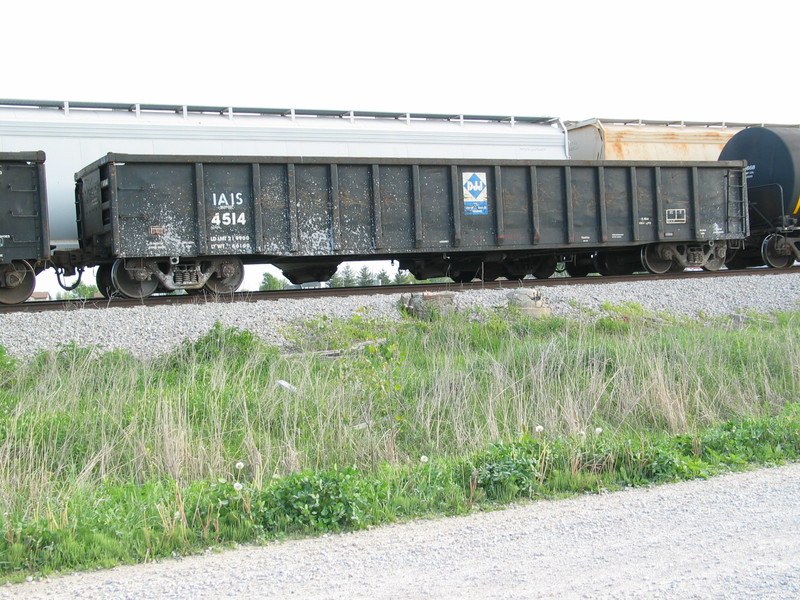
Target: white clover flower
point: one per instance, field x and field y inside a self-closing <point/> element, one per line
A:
<point x="598" y="431"/>
<point x="423" y="459"/>
<point x="239" y="466"/>
<point x="539" y="429"/>
<point x="238" y="486"/>
<point x="581" y="433"/>
<point x="177" y="515"/>
<point x="276" y="476"/>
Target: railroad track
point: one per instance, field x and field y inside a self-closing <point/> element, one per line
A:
<point x="100" y="303"/>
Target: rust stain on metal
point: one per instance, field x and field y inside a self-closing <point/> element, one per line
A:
<point x="665" y="143"/>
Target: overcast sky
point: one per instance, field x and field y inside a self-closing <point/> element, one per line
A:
<point x="701" y="60"/>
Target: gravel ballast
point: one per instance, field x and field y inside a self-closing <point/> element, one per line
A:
<point x="148" y="332"/>
<point x="734" y="536"/>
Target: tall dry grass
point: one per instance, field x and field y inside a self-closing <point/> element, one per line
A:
<point x="447" y="387"/>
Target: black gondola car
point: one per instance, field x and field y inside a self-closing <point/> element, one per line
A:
<point x="24" y="237"/>
<point x="186" y="222"/>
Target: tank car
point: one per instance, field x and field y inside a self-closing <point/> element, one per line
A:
<point x="191" y="222"/>
<point x="24" y="237"/>
<point x="773" y="189"/>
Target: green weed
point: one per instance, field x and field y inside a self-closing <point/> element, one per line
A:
<point x="105" y="459"/>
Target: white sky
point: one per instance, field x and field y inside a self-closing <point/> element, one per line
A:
<point x="699" y="60"/>
<point x="678" y="60"/>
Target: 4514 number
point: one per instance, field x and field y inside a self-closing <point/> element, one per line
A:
<point x="229" y="218"/>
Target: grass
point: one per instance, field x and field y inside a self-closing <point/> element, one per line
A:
<point x="105" y="459"/>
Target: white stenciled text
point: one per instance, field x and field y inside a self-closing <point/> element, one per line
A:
<point x="226" y="200"/>
<point x="228" y="218"/>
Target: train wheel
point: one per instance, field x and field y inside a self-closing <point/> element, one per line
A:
<point x="776" y="252"/>
<point x="603" y="265"/>
<point x="616" y="264"/>
<point x="228" y="278"/>
<point x="576" y="270"/>
<point x="516" y="271"/>
<point x="713" y="264"/>
<point x="127" y="285"/>
<point x="716" y="260"/>
<point x="19" y="281"/>
<point x="462" y="276"/>
<point x="546" y="267"/>
<point x="678" y="268"/>
<point x="653" y="262"/>
<point x="103" y="278"/>
<point x="491" y="272"/>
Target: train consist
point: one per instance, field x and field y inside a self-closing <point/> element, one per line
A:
<point x="153" y="223"/>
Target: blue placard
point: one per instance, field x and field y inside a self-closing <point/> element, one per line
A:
<point x="476" y="198"/>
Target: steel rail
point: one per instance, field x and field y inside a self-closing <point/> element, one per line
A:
<point x="101" y="303"/>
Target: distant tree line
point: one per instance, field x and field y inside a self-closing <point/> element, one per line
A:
<point x="82" y="291"/>
<point x="346" y="276"/>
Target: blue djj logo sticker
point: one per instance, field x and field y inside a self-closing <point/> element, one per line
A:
<point x="474" y="186"/>
<point x="475" y="193"/>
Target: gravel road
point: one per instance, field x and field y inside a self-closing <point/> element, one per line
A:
<point x="734" y="536"/>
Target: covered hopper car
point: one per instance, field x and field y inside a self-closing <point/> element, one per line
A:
<point x="637" y="139"/>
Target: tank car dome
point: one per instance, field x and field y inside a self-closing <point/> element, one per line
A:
<point x="773" y="171"/>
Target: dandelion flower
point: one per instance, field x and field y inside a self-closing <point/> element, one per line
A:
<point x="598" y="431"/>
<point x="239" y="466"/>
<point x="238" y="486"/>
<point x="539" y="429"/>
<point x="423" y="459"/>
